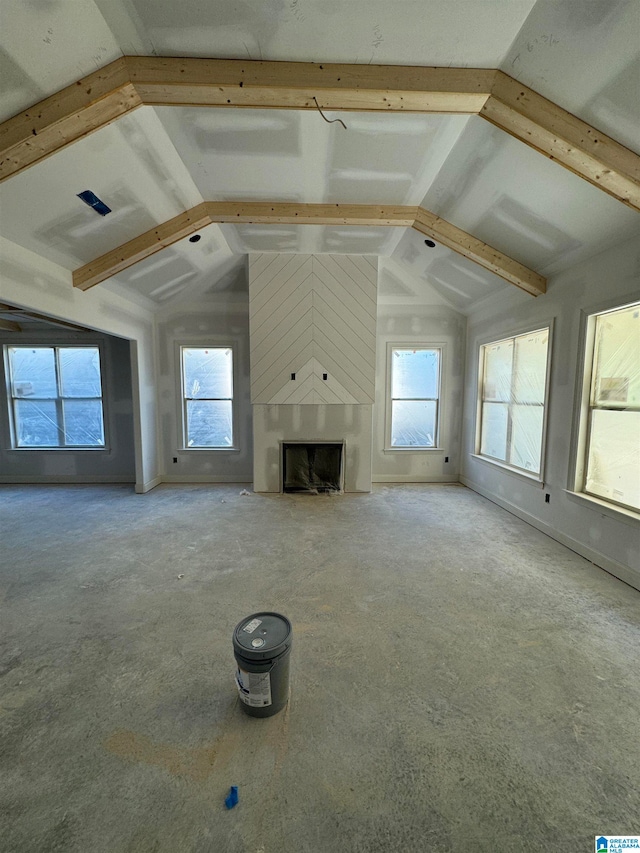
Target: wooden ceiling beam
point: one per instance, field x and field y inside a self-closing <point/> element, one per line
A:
<point x="563" y="137"/>
<point x="480" y="253"/>
<point x="9" y="326"/>
<point x="288" y="213"/>
<point x="69" y="115"/>
<point x="130" y="82"/>
<point x="168" y="81"/>
<point x="270" y="213"/>
<point x="152" y="241"/>
<point x="141" y="247"/>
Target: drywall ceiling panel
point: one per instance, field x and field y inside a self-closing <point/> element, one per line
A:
<point x="378" y="240"/>
<point x="441" y="271"/>
<point x="420" y="32"/>
<point x="248" y="154"/>
<point x="285" y="155"/>
<point x="311" y="239"/>
<point x="584" y="56"/>
<point x="264" y="238"/>
<point x="398" y="285"/>
<point x="45" y="46"/>
<point x="131" y="165"/>
<point x="127" y="27"/>
<point x="524" y="204"/>
<point x="388" y="159"/>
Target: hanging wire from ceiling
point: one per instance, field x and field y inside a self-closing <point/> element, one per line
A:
<point x="328" y="120"/>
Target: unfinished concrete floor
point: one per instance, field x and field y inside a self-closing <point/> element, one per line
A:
<point x="459" y="681"/>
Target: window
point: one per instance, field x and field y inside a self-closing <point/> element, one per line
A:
<point x="55" y="396"/>
<point x="610" y="423"/>
<point x="415" y="393"/>
<point x="512" y="400"/>
<point x="207" y="392"/>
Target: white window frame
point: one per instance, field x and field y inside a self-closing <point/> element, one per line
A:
<point x="56" y="347"/>
<point x="391" y="347"/>
<point x="583" y="409"/>
<point x="183" y="398"/>
<point x="491" y="341"/>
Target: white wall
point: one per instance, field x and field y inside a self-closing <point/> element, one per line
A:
<point x="606" y="537"/>
<point x="421" y="325"/>
<point x="220" y="320"/>
<point x="32" y="282"/>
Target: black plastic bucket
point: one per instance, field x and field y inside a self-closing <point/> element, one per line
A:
<point x="262" y="648"/>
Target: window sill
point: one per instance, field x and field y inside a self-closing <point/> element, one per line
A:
<point x="415" y="449"/>
<point x="534" y="479"/>
<point x="620" y="513"/>
<point x="57" y="449"/>
<point x="209" y="450"/>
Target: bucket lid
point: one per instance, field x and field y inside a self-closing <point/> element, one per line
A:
<point x="262" y="636"/>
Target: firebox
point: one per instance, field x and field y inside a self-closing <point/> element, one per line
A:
<point x="312" y="467"/>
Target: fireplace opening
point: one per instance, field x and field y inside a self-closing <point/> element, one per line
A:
<point x="312" y="467"/>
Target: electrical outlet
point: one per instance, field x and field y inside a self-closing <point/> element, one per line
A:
<point x="446" y="458"/>
<point x="293" y="376"/>
<point x="547" y="498"/>
<point x="175" y="459"/>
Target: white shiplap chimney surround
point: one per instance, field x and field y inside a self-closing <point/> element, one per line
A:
<point x="312" y="321"/>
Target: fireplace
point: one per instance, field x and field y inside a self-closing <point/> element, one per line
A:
<point x="312" y="467"/>
<point x="348" y="426"/>
<point x="312" y="335"/>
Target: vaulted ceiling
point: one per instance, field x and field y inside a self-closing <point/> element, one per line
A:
<point x="154" y="163"/>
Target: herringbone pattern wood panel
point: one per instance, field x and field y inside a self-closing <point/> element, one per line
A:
<point x="312" y="315"/>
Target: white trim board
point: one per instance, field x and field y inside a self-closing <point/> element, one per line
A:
<point x="613" y="567"/>
<point x="143" y="488"/>
<point x="65" y="479"/>
<point x="186" y="479"/>
<point x="413" y="478"/>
